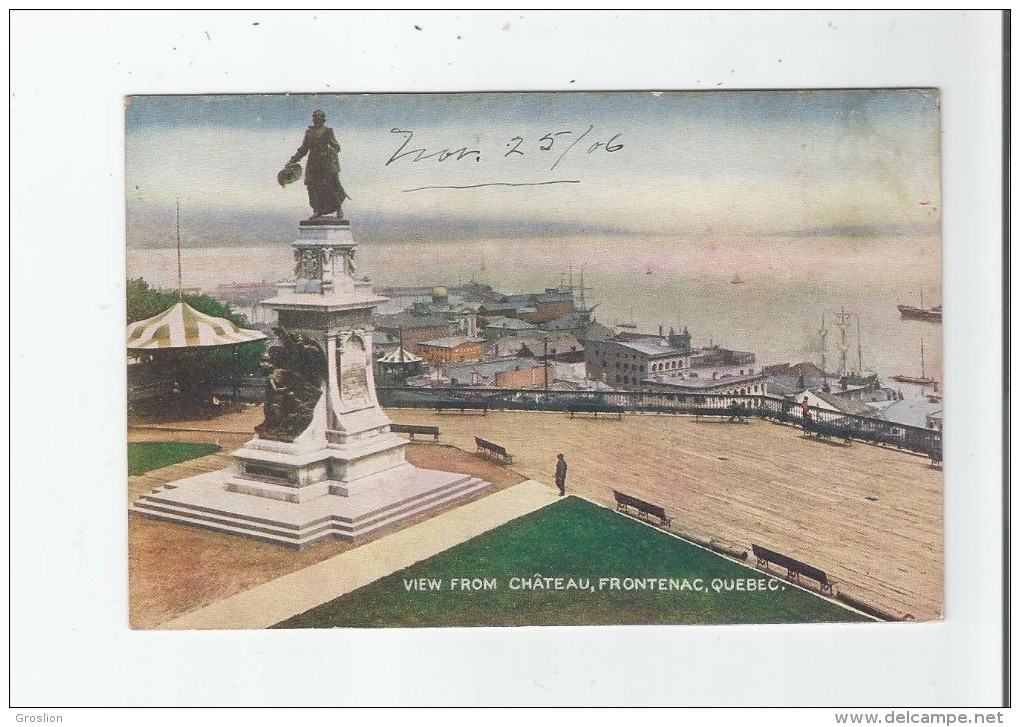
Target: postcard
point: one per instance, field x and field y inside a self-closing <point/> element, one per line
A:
<point x="534" y="359"/>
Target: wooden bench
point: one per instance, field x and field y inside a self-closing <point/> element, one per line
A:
<point x="463" y="406"/>
<point x="485" y="447"/>
<point x="594" y="408"/>
<point x="623" y="502"/>
<point x="737" y="415"/>
<point x="413" y="429"/>
<point x="794" y="568"/>
<point x="824" y="431"/>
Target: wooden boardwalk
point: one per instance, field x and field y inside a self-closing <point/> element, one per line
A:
<point x="869" y="516"/>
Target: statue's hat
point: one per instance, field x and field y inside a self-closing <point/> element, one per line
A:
<point x="290" y="173"/>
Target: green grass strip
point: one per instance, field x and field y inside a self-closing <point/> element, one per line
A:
<point x="147" y="456"/>
<point x="575" y="541"/>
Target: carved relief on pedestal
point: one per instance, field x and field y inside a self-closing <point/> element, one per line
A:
<point x="351" y="364"/>
<point x="308" y="264"/>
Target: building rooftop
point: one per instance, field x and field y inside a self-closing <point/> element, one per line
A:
<point x="380" y="338"/>
<point x="651" y="347"/>
<point x="488" y="307"/>
<point x="486" y="370"/>
<point x="558" y="345"/>
<point x="555" y="296"/>
<point x="700" y="383"/>
<point x="844" y="404"/>
<point x="409" y="322"/>
<point x="595" y="331"/>
<point x="450" y="341"/>
<point x="912" y="412"/>
<point x="805" y="369"/>
<point x="635" y="336"/>
<point x="565" y="322"/>
<point x="511" y="324"/>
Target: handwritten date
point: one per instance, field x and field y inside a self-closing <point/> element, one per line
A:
<point x="558" y="143"/>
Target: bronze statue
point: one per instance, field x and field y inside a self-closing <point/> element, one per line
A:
<point x="293" y="388"/>
<point x="322" y="173"/>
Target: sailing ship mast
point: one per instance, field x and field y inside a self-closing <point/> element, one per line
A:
<point x="842" y="322"/>
<point x="860" y="356"/>
<point x="923" y="380"/>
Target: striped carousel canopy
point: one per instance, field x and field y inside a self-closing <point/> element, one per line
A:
<point x="182" y="327"/>
<point x="399" y="355"/>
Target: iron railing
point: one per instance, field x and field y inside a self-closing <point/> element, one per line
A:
<point x="835" y="423"/>
<point x="850" y="426"/>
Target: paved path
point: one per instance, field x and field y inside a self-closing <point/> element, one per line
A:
<point x="297" y="592"/>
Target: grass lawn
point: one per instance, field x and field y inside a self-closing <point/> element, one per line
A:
<point x="586" y="545"/>
<point x="146" y="456"/>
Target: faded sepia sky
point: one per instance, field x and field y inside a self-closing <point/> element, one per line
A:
<point x="692" y="164"/>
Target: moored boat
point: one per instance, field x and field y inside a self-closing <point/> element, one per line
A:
<point x="922" y="380"/>
<point x="921" y="314"/>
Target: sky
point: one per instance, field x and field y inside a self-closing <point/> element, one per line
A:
<point x="726" y="163"/>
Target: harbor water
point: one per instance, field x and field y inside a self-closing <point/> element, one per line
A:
<point x="789" y="284"/>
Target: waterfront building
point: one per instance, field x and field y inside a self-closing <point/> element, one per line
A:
<point x="579" y="324"/>
<point x="508" y="373"/>
<point x="414" y="329"/>
<point x="534" y="308"/>
<point x="718" y="385"/>
<point x="463" y="315"/>
<point x="450" y="348"/>
<point x="914" y="413"/>
<point x="501" y="327"/>
<point x="625" y="363"/>
<point x="629" y="358"/>
<point x="556" y="348"/>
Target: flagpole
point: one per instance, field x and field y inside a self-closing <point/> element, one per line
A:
<point x="180" y="285"/>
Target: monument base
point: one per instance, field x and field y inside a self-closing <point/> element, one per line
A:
<point x="345" y="475"/>
<point x="220" y="501"/>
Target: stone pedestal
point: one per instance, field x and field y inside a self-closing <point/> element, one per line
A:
<point x="345" y="474"/>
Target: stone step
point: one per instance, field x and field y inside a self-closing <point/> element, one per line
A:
<point x="388" y="506"/>
<point x="295" y="535"/>
<point x="195" y="514"/>
<point x="238" y="528"/>
<point x="401" y="509"/>
<point x="449" y="498"/>
<point x="155" y="501"/>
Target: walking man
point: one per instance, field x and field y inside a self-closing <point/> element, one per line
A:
<point x="561" y="474"/>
